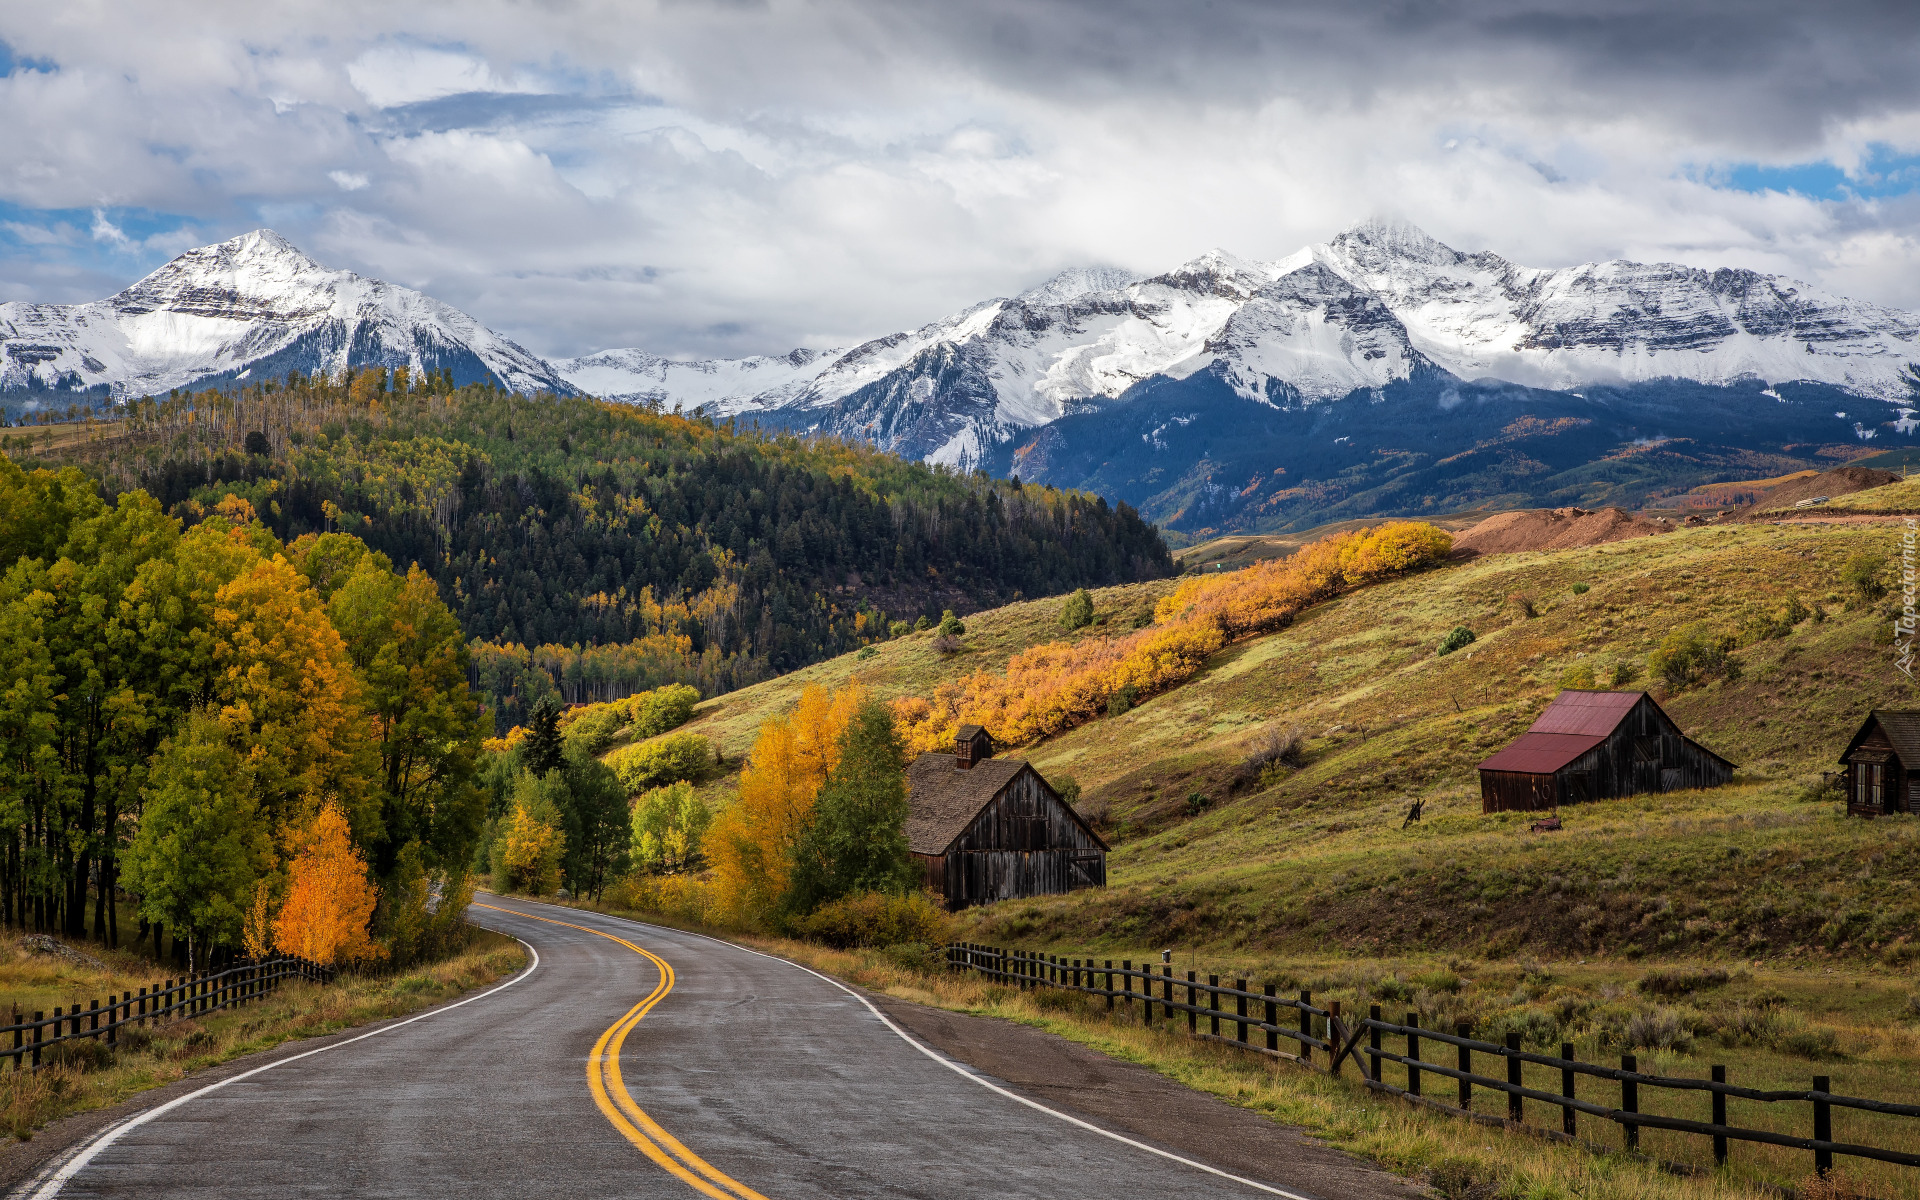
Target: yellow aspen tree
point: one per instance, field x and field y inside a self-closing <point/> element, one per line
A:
<point x="751" y="843"/>
<point x="330" y="898"/>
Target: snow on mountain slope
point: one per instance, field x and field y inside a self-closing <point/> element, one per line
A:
<point x="725" y="386"/>
<point x="1479" y="315"/>
<point x="249" y="307"/>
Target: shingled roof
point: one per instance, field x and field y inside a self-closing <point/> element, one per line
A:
<point x="942" y="799"/>
<point x="1902" y="727"/>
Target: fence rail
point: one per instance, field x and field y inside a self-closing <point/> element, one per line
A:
<point x="1261" y="1012"/>
<point x="191" y="995"/>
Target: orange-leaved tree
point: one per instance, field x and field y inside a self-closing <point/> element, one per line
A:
<point x="1051" y="688"/>
<point x="330" y="898"/>
<point x="750" y="844"/>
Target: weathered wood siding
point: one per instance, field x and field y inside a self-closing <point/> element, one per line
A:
<point x="1876" y="780"/>
<point x="1025" y="842"/>
<point x="1646" y="752"/>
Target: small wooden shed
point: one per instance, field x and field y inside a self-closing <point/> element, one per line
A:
<point x="1882" y="764"/>
<point x="1595" y="745"/>
<point x="986" y="828"/>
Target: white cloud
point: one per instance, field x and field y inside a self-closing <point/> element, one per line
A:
<point x="731" y="178"/>
<point x="392" y="75"/>
<point x="106" y="231"/>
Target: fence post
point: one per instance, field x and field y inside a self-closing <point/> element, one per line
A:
<point x="1822" y="1127"/>
<point x="1240" y="1010"/>
<point x="1166" y="991"/>
<point x="39" y="1031"/>
<point x="1126" y="981"/>
<point x="1273" y="1020"/>
<point x="1146" y="992"/>
<point x="1567" y="1076"/>
<point x="1514" y="1112"/>
<point x="1306" y="1027"/>
<point x="1630" y="1100"/>
<point x="1465" y="1030"/>
<point x="1413" y="1052"/>
<point x="19" y="1038"/>
<point x="1373" y="1042"/>
<point x="1333" y="1039"/>
<point x="1719" y="1117"/>
<point x="1109" y="963"/>
<point x="93" y="1018"/>
<point x="1193" y="1018"/>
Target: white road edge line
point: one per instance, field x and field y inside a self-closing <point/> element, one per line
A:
<point x="38" y="1190"/>
<point x="965" y="1073"/>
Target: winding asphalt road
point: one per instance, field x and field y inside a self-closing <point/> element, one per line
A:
<point x="630" y="1060"/>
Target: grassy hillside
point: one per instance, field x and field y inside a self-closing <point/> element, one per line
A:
<point x="1313" y="856"/>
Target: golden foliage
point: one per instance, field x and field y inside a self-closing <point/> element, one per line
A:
<point x="750" y="844"/>
<point x="1051" y="688"/>
<point x="533" y="850"/>
<point x="330" y="898"/>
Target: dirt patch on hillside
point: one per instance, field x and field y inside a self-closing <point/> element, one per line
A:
<point x="1841" y="481"/>
<point x="1553" y="529"/>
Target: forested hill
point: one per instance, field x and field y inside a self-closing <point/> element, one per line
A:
<point x="605" y="549"/>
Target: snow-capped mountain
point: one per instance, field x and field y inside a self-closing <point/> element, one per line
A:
<point x="723" y="386"/>
<point x="244" y="309"/>
<point x="1379" y="304"/>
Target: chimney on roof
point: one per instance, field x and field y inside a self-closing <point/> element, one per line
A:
<point x="971" y="745"/>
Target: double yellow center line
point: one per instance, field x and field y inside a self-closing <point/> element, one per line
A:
<point x="610" y="1093"/>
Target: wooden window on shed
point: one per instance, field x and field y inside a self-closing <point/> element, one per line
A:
<point x="1646" y="749"/>
<point x="1867" y="784"/>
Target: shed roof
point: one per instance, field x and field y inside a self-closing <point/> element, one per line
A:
<point x="943" y="799"/>
<point x="1586" y="712"/>
<point x="1902" y="726"/>
<point x="1542" y="753"/>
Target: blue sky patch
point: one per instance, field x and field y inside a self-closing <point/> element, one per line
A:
<point x="1884" y="173"/>
<point x="11" y="62"/>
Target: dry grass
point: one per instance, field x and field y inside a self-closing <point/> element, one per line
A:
<point x="89" y="1075"/>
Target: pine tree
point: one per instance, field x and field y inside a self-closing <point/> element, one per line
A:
<point x="856" y="840"/>
<point x="544" y="751"/>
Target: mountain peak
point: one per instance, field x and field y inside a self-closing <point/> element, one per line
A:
<point x="1395" y="237"/>
<point x="1075" y="282"/>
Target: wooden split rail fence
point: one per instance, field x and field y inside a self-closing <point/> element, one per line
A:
<point x="1312" y="1028"/>
<point x="191" y="996"/>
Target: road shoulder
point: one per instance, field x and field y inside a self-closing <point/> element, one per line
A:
<point x="1145" y="1105"/>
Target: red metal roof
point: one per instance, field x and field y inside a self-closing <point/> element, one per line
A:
<point x="1586" y="712"/>
<point x="1542" y="753"/>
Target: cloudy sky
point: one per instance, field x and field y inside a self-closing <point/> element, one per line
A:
<point x="741" y="177"/>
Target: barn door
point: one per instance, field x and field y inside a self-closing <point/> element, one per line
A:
<point x="1646" y="764"/>
<point x="1083" y="869"/>
<point x="1670" y="779"/>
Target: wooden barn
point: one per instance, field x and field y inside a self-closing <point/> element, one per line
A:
<point x="1595" y="745"/>
<point x="1877" y="777"/>
<point x="988" y="828"/>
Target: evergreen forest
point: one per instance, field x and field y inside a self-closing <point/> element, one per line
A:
<point x="592" y="550"/>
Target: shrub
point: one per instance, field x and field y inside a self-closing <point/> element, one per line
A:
<point x="1682" y="982"/>
<point x="1076" y="611"/>
<point x="1522" y="603"/>
<point x="865" y="653"/>
<point x="1458" y="638"/>
<point x="87" y="1054"/>
<point x="1580" y="589"/>
<point x="1624" y="673"/>
<point x="899" y="629"/>
<point x="1658" y="1029"/>
<point x="923" y="623"/>
<point x="1122" y="701"/>
<point x="1197" y="803"/>
<point x="655" y="712"/>
<point x="952" y="626"/>
<point x="875" y="919"/>
<point x="1691" y="654"/>
<point x="1578" y="676"/>
<point x="1439" y="980"/>
<point x="1538" y="1027"/>
<point x="947" y="645"/>
<point x="1275" y="746"/>
<point x="1815" y="1043"/>
<point x="661" y="761"/>
<point x="1067" y="788"/>
<point x="922" y="958"/>
<point x="1862" y="574"/>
